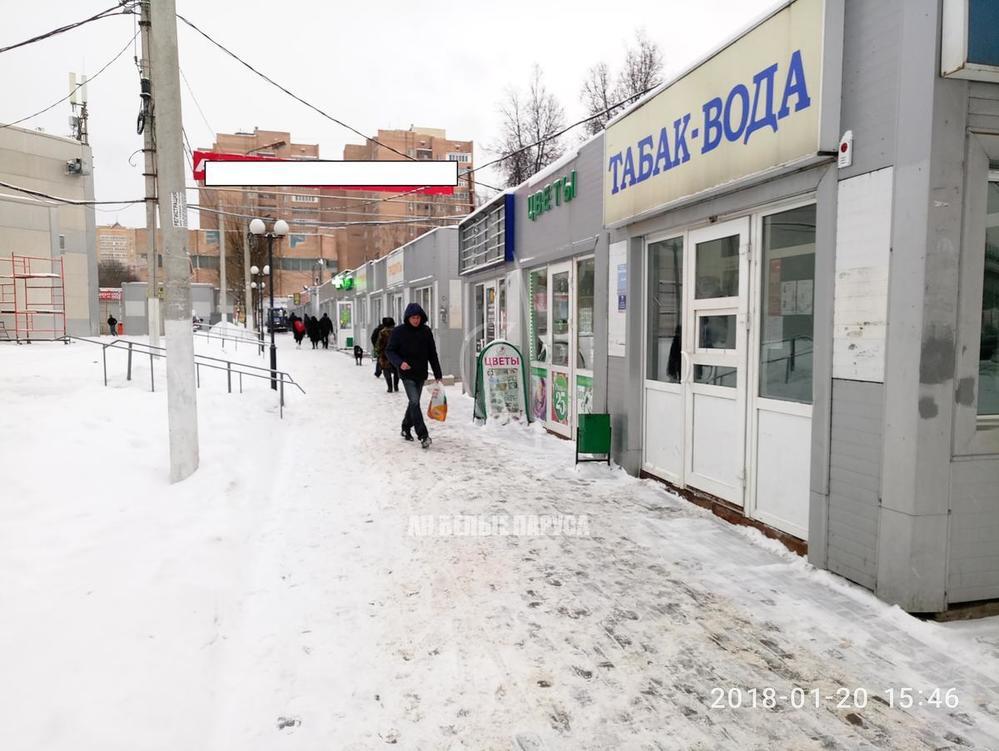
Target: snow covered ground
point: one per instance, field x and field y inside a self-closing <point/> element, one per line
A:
<point x="282" y="597"/>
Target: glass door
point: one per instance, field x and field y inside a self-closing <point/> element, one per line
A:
<point x="490" y="310"/>
<point x="539" y="342"/>
<point x="560" y="305"/>
<point x="715" y="390"/>
<point x="666" y="362"/>
<point x="584" y="339"/>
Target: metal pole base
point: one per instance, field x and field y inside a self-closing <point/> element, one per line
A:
<point x="273" y="366"/>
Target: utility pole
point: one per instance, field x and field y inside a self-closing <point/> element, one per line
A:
<point x="149" y="172"/>
<point x="182" y="406"/>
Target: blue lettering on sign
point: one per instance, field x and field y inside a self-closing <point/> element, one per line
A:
<point x="745" y="110"/>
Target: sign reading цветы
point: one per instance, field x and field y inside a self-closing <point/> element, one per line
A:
<point x="768" y="101"/>
<point x="552" y="195"/>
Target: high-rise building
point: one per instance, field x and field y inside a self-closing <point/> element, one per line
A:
<point x="116" y="243"/>
<point x="308" y="253"/>
<point x="412" y="214"/>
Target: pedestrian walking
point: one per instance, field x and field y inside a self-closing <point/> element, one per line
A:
<point x="312" y="329"/>
<point x="411" y="349"/>
<point x="298" y="329"/>
<point x="374" y="346"/>
<point x="113" y="325"/>
<point x="325" y="329"/>
<point x="381" y="345"/>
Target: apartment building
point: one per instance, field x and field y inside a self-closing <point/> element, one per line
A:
<point x="364" y="242"/>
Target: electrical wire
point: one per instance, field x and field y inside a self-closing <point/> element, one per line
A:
<point x="78" y="87"/>
<point x="70" y="201"/>
<point x="114" y="10"/>
<point x="196" y="102"/>
<point x="294" y="96"/>
<point x="333" y="225"/>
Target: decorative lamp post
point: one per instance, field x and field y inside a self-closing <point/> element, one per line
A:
<point x="279" y="230"/>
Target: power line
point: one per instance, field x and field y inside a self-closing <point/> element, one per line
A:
<point x="115" y="10"/>
<point x="70" y="201"/>
<point x="333" y="225"/>
<point x="294" y="96"/>
<point x="78" y="87"/>
<point x="196" y="102"/>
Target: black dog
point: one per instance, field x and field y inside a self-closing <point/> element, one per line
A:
<point x="358" y="354"/>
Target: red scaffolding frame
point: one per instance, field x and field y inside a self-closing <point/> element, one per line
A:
<point x="33" y="297"/>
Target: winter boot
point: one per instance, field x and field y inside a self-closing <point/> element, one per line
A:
<point x="407" y="434"/>
<point x="425" y="442"/>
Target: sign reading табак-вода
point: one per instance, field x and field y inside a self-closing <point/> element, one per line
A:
<point x="768" y="101"/>
<point x="552" y="195"/>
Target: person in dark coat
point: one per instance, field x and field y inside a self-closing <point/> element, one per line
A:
<point x="381" y="345"/>
<point x="113" y="325"/>
<point x="374" y="346"/>
<point x="312" y="328"/>
<point x="411" y="349"/>
<point x="325" y="328"/>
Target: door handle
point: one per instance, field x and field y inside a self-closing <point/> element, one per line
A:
<point x="685" y="366"/>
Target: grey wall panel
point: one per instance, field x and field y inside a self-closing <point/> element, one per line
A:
<point x="973" y="550"/>
<point x="855" y="480"/>
<point x="983" y="107"/>
<point x="872" y="31"/>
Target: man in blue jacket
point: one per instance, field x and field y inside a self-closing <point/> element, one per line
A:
<point x="411" y="347"/>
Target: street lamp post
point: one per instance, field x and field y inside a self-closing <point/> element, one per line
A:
<point x="280" y="229"/>
<point x="258" y="308"/>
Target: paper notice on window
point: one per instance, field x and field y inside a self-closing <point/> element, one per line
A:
<point x="806" y="290"/>
<point x="788" y="298"/>
<point x="617" y="299"/>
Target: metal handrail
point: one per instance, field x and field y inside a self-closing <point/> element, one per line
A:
<point x="256" y="341"/>
<point x="253" y="371"/>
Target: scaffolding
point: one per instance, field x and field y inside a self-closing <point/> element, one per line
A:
<point x="32" y="298"/>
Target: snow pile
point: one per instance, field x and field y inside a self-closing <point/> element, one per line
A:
<point x="279" y="598"/>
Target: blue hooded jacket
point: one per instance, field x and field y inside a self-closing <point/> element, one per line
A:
<point x="413" y="345"/>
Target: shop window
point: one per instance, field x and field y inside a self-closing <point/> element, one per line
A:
<point x="988" y="356"/>
<point x="787" y="305"/>
<point x="480" y="312"/>
<point x="539" y="315"/>
<point x="425" y="297"/>
<point x="665" y="310"/>
<point x="584" y="314"/>
<point x="718" y="268"/>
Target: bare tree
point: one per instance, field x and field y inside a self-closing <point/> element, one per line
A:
<point x="529" y="124"/>
<point x="597" y="97"/>
<point x="642" y="70"/>
<point x="112" y="273"/>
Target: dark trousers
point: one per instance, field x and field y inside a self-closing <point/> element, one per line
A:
<point x="391" y="378"/>
<point x="326" y="341"/>
<point x="114" y="330"/>
<point x="414" y="417"/>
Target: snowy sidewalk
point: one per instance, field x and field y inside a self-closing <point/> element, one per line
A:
<point x="279" y="598"/>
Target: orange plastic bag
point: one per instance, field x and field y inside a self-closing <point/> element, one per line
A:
<point x="437" y="410"/>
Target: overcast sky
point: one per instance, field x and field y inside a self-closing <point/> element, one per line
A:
<point x="389" y="64"/>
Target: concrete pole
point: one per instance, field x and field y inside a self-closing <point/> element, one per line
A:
<point x="182" y="407"/>
<point x="222" y="283"/>
<point x="149" y="172"/>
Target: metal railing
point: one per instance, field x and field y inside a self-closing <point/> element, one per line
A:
<point x="200" y="361"/>
<point x="257" y="342"/>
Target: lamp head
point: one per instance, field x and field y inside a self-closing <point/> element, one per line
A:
<point x="280" y="228"/>
<point x="254" y="270"/>
<point x="257" y="226"/>
<point x="267" y="270"/>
